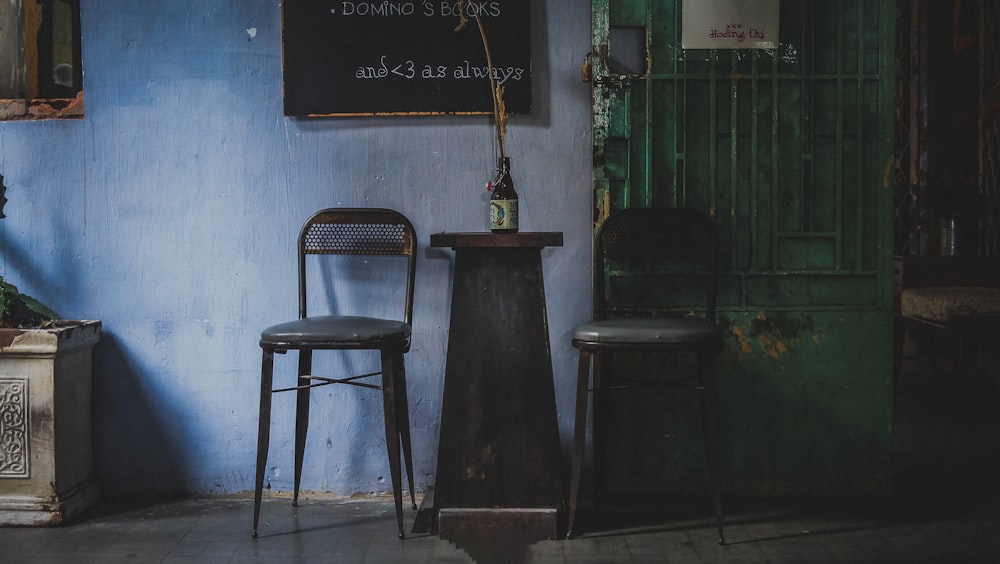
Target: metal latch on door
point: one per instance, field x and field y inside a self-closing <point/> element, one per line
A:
<point x="610" y="82"/>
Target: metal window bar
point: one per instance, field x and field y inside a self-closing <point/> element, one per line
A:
<point x="834" y="203"/>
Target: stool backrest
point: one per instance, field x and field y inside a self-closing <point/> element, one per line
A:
<point x="653" y="261"/>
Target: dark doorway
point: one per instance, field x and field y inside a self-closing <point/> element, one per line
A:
<point x="948" y="128"/>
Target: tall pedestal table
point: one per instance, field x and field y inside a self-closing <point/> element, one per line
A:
<point x="498" y="458"/>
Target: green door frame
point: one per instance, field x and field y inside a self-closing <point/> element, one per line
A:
<point x="790" y="150"/>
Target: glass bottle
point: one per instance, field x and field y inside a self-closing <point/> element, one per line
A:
<point x="503" y="200"/>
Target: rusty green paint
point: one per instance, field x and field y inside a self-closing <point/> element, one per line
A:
<point x="598" y="64"/>
<point x="787" y="150"/>
<point x="811" y="419"/>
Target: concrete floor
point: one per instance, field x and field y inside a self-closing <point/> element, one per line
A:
<point x="946" y="509"/>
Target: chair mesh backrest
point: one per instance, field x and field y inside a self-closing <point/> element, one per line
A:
<point x="358" y="231"/>
<point x="647" y="256"/>
<point x="366" y="232"/>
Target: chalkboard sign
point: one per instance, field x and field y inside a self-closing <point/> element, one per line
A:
<point x="395" y="57"/>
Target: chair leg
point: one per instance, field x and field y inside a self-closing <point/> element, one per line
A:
<point x="579" y="437"/>
<point x="263" y="432"/>
<point x="301" y="418"/>
<point x="389" y="378"/>
<point x="403" y="422"/>
<point x="710" y="413"/>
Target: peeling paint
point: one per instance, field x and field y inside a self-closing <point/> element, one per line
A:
<point x="780" y="325"/>
<point x="772" y="346"/>
<point x="48" y="108"/>
<point x="8" y="336"/>
<point x="775" y="332"/>
<point x="774" y="335"/>
<point x="888" y="178"/>
<point x="744" y="343"/>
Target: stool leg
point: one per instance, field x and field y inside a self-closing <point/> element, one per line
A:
<point x="389" y="378"/>
<point x="603" y="371"/>
<point x="579" y="437"/>
<point x="263" y="432"/>
<point x="301" y="418"/>
<point x="898" y="339"/>
<point x="709" y="393"/>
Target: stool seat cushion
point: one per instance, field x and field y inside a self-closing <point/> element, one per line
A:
<point x="944" y="303"/>
<point x="336" y="328"/>
<point x="693" y="331"/>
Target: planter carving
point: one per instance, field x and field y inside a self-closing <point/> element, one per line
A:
<point x="46" y="423"/>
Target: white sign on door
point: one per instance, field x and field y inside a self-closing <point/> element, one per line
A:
<point x="729" y="24"/>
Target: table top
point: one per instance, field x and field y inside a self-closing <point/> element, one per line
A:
<point x="497" y="240"/>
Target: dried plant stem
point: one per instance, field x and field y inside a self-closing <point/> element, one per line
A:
<point x="496" y="90"/>
<point x="499" y="112"/>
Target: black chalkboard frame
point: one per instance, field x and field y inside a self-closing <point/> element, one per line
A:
<point x="400" y="57"/>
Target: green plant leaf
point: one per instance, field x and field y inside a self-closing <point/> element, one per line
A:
<point x="21" y="310"/>
<point x="39" y="308"/>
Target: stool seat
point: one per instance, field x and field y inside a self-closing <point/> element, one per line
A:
<point x="945" y="303"/>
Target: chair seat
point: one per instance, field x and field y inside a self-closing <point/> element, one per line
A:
<point x="674" y="331"/>
<point x="336" y="329"/>
<point x="944" y="303"/>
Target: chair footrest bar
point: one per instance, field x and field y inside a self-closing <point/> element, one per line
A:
<point x="327" y="381"/>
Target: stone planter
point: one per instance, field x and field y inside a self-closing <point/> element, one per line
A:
<point x="46" y="423"/>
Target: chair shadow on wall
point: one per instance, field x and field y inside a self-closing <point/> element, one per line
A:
<point x="138" y="435"/>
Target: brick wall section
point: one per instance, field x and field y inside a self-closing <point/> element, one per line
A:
<point x="51" y="108"/>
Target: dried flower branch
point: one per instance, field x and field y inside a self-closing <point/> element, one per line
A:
<point x="496" y="90"/>
<point x="462" y="20"/>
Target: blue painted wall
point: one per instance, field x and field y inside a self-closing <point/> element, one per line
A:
<point x="170" y="214"/>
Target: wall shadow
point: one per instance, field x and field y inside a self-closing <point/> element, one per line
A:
<point x="138" y="447"/>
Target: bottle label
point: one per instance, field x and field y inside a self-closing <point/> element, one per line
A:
<point x="503" y="214"/>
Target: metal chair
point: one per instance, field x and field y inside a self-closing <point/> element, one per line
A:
<point x="678" y="247"/>
<point x="366" y="232"/>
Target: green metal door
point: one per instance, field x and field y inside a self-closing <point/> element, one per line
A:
<point x="790" y="151"/>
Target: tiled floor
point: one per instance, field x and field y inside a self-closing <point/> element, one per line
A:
<point x="946" y="510"/>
